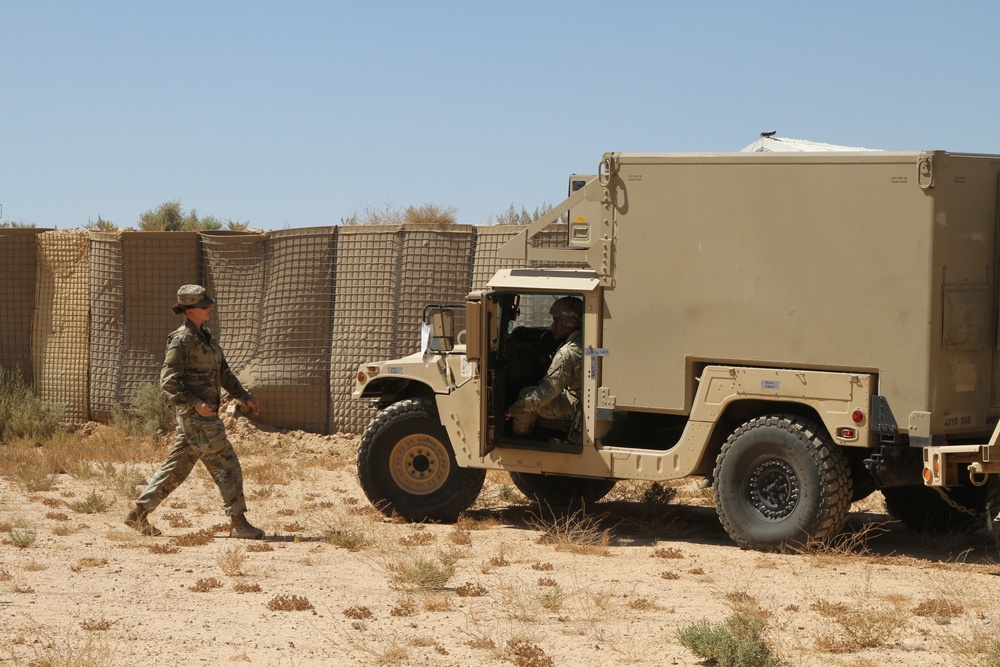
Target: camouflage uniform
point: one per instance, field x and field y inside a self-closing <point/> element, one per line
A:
<point x="196" y="370"/>
<point x="557" y="395"/>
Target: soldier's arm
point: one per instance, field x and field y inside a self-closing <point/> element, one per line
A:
<point x="172" y="374"/>
<point x="556" y="379"/>
<point x="231" y="384"/>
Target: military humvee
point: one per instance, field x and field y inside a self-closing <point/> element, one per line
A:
<point x="802" y="329"/>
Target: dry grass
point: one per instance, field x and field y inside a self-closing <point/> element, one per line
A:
<point x="195" y="539"/>
<point x="94" y="503"/>
<point x="205" y="585"/>
<point x="289" y="603"/>
<point x="21" y="537"/>
<point x="862" y="625"/>
<point x="667" y="552"/>
<point x="232" y="560"/>
<point x="358" y="612"/>
<point x="471" y="590"/>
<point x="524" y="653"/>
<point x="88" y="562"/>
<point x="246" y="587"/>
<point x="96" y="625"/>
<point x="420" y="574"/>
<point x="576" y="533"/>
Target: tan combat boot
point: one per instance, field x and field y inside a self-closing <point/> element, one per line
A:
<point x="242" y="529"/>
<point x="136" y="520"/>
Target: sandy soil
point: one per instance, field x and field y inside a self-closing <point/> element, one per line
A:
<point x="335" y="583"/>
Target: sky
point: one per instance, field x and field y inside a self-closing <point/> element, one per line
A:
<point x="298" y="114"/>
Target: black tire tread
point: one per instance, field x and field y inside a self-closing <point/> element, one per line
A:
<point x="831" y="463"/>
<point x="464" y="487"/>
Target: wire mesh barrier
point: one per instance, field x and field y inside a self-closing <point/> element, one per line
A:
<point x="297" y="310"/>
<point x="290" y="373"/>
<point x="107" y="323"/>
<point x="154" y="265"/>
<point x="488" y="240"/>
<point x="364" y="315"/>
<point x="233" y="266"/>
<point x="60" y="355"/>
<point x="19" y="259"/>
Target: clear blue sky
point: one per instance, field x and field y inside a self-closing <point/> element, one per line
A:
<point x="295" y="114"/>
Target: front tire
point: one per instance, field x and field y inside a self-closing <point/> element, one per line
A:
<point x="406" y="465"/>
<point x="780" y="481"/>
<point x="560" y="491"/>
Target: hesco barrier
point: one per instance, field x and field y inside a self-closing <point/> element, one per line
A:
<point x="88" y="313"/>
<point x="60" y="359"/>
<point x="20" y="273"/>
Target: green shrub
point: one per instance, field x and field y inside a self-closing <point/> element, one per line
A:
<point x="22" y="414"/>
<point x="737" y="642"/>
<point x="149" y="412"/>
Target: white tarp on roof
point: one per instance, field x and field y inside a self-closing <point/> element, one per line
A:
<point x="768" y="143"/>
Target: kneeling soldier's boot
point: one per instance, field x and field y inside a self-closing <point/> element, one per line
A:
<point x="242" y="529"/>
<point x="136" y="520"/>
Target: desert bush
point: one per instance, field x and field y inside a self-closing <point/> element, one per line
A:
<point x="206" y="585"/>
<point x="421" y="573"/>
<point x="246" y="587"/>
<point x="22" y="414"/>
<point x="514" y="217"/>
<point x="231" y="561"/>
<point x="527" y="654"/>
<point x="389" y="215"/>
<point x="737" y="642"/>
<point x="22" y="537"/>
<point x="94" y="503"/>
<point x="101" y="225"/>
<point x="576" y="533"/>
<point x="170" y="217"/>
<point x="149" y="412"/>
<point x="289" y="603"/>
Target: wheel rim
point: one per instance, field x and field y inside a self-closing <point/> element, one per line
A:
<point x="773" y="489"/>
<point x="419" y="464"/>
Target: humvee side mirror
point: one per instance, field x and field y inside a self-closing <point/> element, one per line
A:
<point x="442" y="324"/>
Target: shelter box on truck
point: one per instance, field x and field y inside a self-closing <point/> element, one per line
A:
<point x="798" y="327"/>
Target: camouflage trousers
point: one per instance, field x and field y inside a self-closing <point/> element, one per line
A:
<point x="561" y="407"/>
<point x="199" y="439"/>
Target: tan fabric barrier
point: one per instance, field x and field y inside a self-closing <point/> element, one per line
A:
<point x="59" y="330"/>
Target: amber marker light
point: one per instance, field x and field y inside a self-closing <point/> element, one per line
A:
<point x="362" y="377"/>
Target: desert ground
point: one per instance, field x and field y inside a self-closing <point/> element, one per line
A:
<point x="336" y="583"/>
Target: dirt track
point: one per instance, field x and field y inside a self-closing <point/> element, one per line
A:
<point x="87" y="588"/>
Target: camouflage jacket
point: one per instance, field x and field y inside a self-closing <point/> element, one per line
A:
<point x="564" y="374"/>
<point x="195" y="368"/>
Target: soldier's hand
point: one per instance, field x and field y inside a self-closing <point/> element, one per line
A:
<point x="204" y="409"/>
<point x="254" y="405"/>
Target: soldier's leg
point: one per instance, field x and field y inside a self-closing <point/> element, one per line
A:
<point x="224" y="467"/>
<point x="561" y="407"/>
<point x="171" y="473"/>
<point x="524" y="424"/>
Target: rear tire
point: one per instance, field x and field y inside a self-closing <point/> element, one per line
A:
<point x="780" y="481"/>
<point x="406" y="465"/>
<point x="559" y="491"/>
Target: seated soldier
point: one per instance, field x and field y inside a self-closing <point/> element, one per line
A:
<point x="558" y="393"/>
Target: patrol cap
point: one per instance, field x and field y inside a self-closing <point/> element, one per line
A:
<point x="194" y="296"/>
